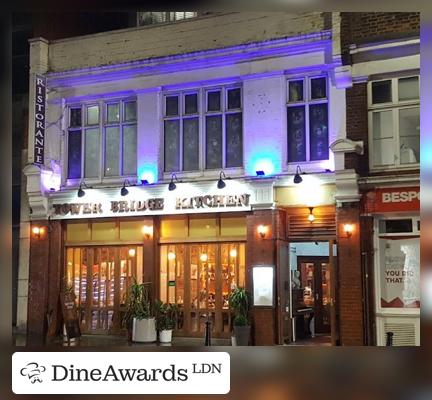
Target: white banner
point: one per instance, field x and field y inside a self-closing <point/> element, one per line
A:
<point x="120" y="372"/>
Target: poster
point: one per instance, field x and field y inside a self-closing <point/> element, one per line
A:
<point x="400" y="272"/>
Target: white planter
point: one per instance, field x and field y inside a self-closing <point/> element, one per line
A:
<point x="165" y="336"/>
<point x="144" y="330"/>
<point x="233" y="341"/>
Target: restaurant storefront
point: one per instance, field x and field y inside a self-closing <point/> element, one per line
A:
<point x="395" y="294"/>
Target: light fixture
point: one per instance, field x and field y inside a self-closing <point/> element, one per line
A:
<point x="131" y="252"/>
<point x="171" y="256"/>
<point x="262" y="230"/>
<point x="124" y="191"/>
<point x="203" y="257"/>
<point x="147" y="230"/>
<point x="172" y="186"/>
<point x="233" y="253"/>
<point x="38" y="231"/>
<point x="348" y="229"/>
<point x="81" y="192"/>
<point x="221" y="184"/>
<point x="144" y="182"/>
<point x="260" y="173"/>
<point x="297" y="177"/>
<point x="311" y="216"/>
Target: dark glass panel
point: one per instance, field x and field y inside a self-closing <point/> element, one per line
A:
<point x="318" y="127"/>
<point x="214" y="141"/>
<point x="234" y="98"/>
<point x="190" y="144"/>
<point x="130" y="111"/>
<point x="296" y="134"/>
<point x="74" y="155"/>
<point x="234" y="140"/>
<point x="381" y="92"/>
<point x="213" y="101"/>
<point x="171" y="105"/>
<point x="75" y="117"/>
<point x="172" y="146"/>
<point x="191" y="103"/>
<point x="318" y="88"/>
<point x="295" y="89"/>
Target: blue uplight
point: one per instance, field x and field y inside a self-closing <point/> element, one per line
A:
<point x="148" y="175"/>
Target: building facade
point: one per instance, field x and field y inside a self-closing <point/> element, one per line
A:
<point x="210" y="153"/>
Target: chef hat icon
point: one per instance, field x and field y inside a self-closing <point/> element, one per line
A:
<point x="33" y="371"/>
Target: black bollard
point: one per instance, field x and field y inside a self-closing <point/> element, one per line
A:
<point x="389" y="341"/>
<point x="207" y="340"/>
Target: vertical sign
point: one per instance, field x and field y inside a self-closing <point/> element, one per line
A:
<point x="39" y="132"/>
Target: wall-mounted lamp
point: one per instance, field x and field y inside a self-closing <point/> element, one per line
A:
<point x="221" y="184"/>
<point x="311" y="216"/>
<point x="262" y="230"/>
<point x="172" y="186"/>
<point x="124" y="191"/>
<point x="38" y="231"/>
<point x="81" y="192"/>
<point x="144" y="182"/>
<point x="297" y="177"/>
<point x="348" y="230"/>
<point x="147" y="231"/>
<point x="260" y="173"/>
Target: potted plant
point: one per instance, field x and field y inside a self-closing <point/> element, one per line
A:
<point x="240" y="302"/>
<point x="138" y="317"/>
<point x="166" y="316"/>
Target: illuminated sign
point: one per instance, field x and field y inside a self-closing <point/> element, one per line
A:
<point x="39" y="131"/>
<point x="157" y="205"/>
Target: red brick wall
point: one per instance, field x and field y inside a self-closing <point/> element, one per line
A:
<point x="261" y="251"/>
<point x="364" y="27"/>
<point x="45" y="272"/>
<point x="349" y="269"/>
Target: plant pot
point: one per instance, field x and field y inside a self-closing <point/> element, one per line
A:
<point x="241" y="334"/>
<point x="144" y="330"/>
<point x="165" y="336"/>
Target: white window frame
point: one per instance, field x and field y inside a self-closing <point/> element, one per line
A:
<point x="201" y="115"/>
<point x="394" y="106"/>
<point x="307" y="102"/>
<point x="102" y="125"/>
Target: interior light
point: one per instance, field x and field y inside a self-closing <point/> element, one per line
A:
<point x="297" y="177"/>
<point x="131" y="252"/>
<point x="171" y="256"/>
<point x="204" y="257"/>
<point x="221" y="184"/>
<point x="233" y="253"/>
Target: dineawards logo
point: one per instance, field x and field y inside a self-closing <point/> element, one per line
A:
<point x="33" y="371"/>
<point x="121" y="372"/>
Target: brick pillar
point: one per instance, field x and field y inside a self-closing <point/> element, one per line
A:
<point x="261" y="251"/>
<point x="42" y="254"/>
<point x="350" y="296"/>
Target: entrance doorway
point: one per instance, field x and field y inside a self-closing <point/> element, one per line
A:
<point x="99" y="277"/>
<point x="315" y="281"/>
<point x="199" y="278"/>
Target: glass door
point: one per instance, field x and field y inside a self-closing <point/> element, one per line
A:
<point x="199" y="278"/>
<point x="100" y="277"/>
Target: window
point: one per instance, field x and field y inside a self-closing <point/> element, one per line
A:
<point x="203" y="122"/>
<point x="394" y="122"/>
<point x="307" y="119"/>
<point x="110" y="126"/>
<point x="157" y="17"/>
